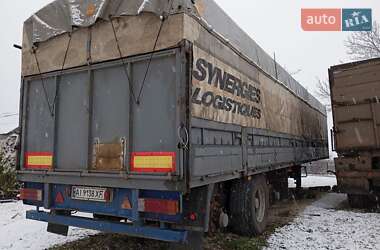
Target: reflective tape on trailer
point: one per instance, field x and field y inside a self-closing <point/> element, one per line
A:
<point x="155" y="162"/>
<point x="38" y="160"/>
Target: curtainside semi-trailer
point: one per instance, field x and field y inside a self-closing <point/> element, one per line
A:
<point x="159" y="118"/>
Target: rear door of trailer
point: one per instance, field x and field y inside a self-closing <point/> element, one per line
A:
<point x="105" y="120"/>
<point x="355" y="93"/>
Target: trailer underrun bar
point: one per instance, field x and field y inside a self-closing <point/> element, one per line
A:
<point x="110" y="227"/>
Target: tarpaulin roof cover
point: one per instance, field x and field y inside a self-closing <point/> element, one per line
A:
<point x="61" y="16"/>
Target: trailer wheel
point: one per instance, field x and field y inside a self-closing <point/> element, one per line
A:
<point x="359" y="201"/>
<point x="249" y="204"/>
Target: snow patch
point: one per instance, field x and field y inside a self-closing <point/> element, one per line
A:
<point x="315" y="181"/>
<point x="76" y="13"/>
<point x="320" y="226"/>
<point x="19" y="233"/>
<point x="143" y="6"/>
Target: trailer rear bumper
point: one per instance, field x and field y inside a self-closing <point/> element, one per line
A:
<point x="110" y="227"/>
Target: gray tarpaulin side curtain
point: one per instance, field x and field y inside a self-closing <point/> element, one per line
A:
<point x="61" y="16"/>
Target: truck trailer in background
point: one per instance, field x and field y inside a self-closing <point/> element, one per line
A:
<point x="355" y="93"/>
<point x="161" y="119"/>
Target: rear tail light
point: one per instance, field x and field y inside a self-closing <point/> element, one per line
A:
<point x="31" y="194"/>
<point x="192" y="216"/>
<point x="107" y="195"/>
<point x="170" y="207"/>
<point x="155" y="162"/>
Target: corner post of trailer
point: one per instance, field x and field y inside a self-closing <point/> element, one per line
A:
<point x="244" y="144"/>
<point x="135" y="207"/>
<point x="47" y="196"/>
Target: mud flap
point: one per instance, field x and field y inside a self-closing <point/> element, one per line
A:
<point x="57" y="228"/>
<point x="198" y="203"/>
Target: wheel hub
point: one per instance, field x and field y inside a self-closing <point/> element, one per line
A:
<point x="259" y="205"/>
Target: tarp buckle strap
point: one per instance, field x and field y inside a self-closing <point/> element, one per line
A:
<point x="62" y="68"/>
<point x="121" y="57"/>
<point x="42" y="81"/>
<point x="51" y="106"/>
<point x="164" y="17"/>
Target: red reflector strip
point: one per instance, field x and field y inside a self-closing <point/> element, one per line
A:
<point x="39" y="160"/>
<point x="31" y="194"/>
<point x="153" y="162"/>
<point x="159" y="206"/>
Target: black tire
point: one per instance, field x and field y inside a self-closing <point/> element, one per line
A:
<point x="359" y="201"/>
<point x="249" y="206"/>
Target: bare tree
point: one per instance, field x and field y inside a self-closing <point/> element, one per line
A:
<point x="323" y="92"/>
<point x="360" y="46"/>
<point x="364" y="44"/>
<point x="323" y="89"/>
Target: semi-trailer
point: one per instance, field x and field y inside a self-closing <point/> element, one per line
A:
<point x="161" y="119"/>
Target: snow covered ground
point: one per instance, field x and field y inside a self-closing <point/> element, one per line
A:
<point x="315" y="181"/>
<point x="16" y="232"/>
<point x="321" y="226"/>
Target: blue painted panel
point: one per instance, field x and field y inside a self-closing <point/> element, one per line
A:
<point x="114" y="208"/>
<point x="107" y="208"/>
<point x="163" y="217"/>
<point x="167" y="195"/>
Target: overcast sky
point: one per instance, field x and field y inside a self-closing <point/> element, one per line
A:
<point x="274" y="24"/>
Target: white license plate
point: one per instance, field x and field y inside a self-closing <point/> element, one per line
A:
<point x="90" y="194"/>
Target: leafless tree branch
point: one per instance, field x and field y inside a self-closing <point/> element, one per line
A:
<point x="323" y="92"/>
<point x="323" y="89"/>
<point x="364" y="44"/>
